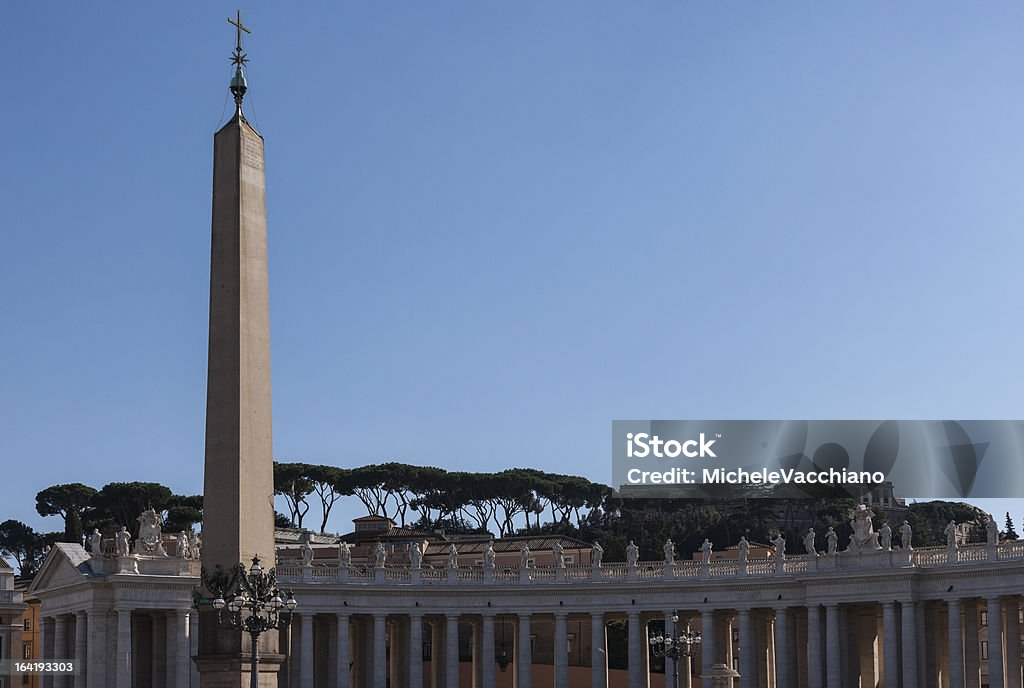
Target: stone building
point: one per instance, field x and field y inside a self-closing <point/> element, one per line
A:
<point x="931" y="617"/>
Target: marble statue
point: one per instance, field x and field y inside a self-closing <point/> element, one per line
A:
<point x="416" y="555"/>
<point x="906" y="533"/>
<point x="705" y="551"/>
<point x="885" y="536"/>
<point x="96" y="543"/>
<point x="124" y="542"/>
<point x="559" y="554"/>
<point x="524" y="556"/>
<point x="809" y="542"/>
<point x="744" y="549"/>
<point x="596" y="555"/>
<point x="453" y="556"/>
<point x="670" y="552"/>
<point x="950" y="533"/>
<point x="307" y="551"/>
<point x="380" y="556"/>
<point x="780" y="547"/>
<point x="992" y="531"/>
<point x="864" y="536"/>
<point x="489" y="555"/>
<point x="832" y="540"/>
<point x="196" y="545"/>
<point x="184" y="545"/>
<point x="150" y="535"/>
<point x="344" y="555"/>
<point x="632" y="554"/>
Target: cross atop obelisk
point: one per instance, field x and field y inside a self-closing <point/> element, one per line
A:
<point x="238" y="490"/>
<point x="239" y="59"/>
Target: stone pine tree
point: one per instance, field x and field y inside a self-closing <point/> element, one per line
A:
<point x="1010" y="533"/>
<point x="70" y="502"/>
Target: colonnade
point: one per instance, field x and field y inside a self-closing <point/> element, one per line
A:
<point x="124" y="648"/>
<point x="900" y="643"/>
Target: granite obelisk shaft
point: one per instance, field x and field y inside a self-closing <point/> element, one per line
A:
<point x="238" y="492"/>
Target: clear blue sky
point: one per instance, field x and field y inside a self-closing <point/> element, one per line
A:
<point x="495" y="227"/>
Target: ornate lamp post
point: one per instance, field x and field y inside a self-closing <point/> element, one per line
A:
<point x="252" y="602"/>
<point x="675" y="647"/>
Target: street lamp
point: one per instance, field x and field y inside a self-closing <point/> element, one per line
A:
<point x="675" y="647"/>
<point x="252" y="601"/>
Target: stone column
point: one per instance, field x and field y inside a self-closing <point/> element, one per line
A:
<point x="890" y="645"/>
<point x="451" y="651"/>
<point x="487" y="650"/>
<point x="380" y="650"/>
<point x="96" y="649"/>
<point x="1013" y="676"/>
<point x="956" y="645"/>
<point x="305" y="652"/>
<point x="598" y="654"/>
<point x="972" y="664"/>
<point x="182" y="660"/>
<point x="60" y="647"/>
<point x="524" y="659"/>
<point x="814" y="668"/>
<point x="686" y="664"/>
<point x="415" y="651"/>
<point x="707" y="649"/>
<point x="670" y="629"/>
<point x="909" y="625"/>
<point x="995" y="643"/>
<point x="636" y="650"/>
<point x="477" y="646"/>
<point x="193" y="646"/>
<point x="81" y="633"/>
<point x="782" y="677"/>
<point x="561" y="650"/>
<point x="833" y="661"/>
<point x="343" y="653"/>
<point x="124" y="649"/>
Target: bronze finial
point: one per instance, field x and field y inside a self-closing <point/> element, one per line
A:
<point x="239" y="59"/>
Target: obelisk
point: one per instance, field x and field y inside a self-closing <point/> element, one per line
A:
<point x="238" y="491"/>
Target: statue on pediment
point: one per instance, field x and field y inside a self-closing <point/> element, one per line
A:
<point x="150" y="535"/>
<point x="123" y="540"/>
<point x="864" y="536"/>
<point x="96" y="543"/>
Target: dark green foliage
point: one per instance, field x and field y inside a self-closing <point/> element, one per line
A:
<point x="929" y="520"/>
<point x="23" y="544"/>
<point x="119" y="504"/>
<point x="1010" y="533"/>
<point x="70" y="502"/>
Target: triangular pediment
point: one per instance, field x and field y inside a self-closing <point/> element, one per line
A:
<point x="65" y="564"/>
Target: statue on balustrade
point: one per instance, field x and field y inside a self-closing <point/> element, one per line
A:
<point x="780" y="547"/>
<point x="489" y="555"/>
<point x="307" y="550"/>
<point x="123" y="539"/>
<point x="416" y="555"/>
<point x="524" y="556"/>
<point x="670" y="552"/>
<point x="453" y="556"/>
<point x="196" y="545"/>
<point x="150" y="535"/>
<point x="992" y="531"/>
<point x="744" y="549"/>
<point x="184" y="546"/>
<point x="950" y="533"/>
<point x="864" y="536"/>
<point x="831" y="540"/>
<point x="559" y="554"/>
<point x="596" y="555"/>
<point x="632" y="554"/>
<point x="885" y="536"/>
<point x="906" y="534"/>
<point x="809" y="543"/>
<point x="344" y="555"/>
<point x="380" y="556"/>
<point x="96" y="543"/>
<point x="705" y="552"/>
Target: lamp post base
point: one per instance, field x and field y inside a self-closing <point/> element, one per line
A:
<point x="233" y="671"/>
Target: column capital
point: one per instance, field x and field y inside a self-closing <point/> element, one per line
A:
<point x="561" y="614"/>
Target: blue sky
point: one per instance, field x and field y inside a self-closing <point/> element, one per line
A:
<point x="495" y="227"/>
